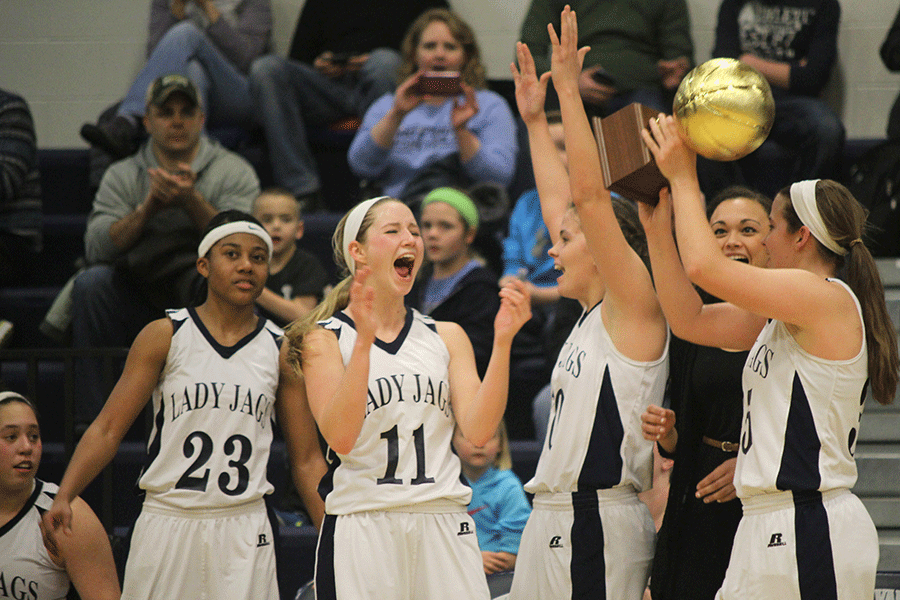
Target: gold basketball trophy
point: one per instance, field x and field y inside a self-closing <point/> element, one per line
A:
<point x="724" y="110"/>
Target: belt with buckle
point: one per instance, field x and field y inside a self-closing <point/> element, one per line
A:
<point x="723" y="446"/>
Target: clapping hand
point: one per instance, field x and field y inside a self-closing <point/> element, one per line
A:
<point x="515" y="310"/>
<point x="362" y="304"/>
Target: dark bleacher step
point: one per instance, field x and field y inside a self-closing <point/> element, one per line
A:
<point x="25" y="307"/>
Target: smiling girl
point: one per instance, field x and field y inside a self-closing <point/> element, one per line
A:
<point x="387" y="385"/>
<point x="589" y="535"/>
<point x="819" y="336"/>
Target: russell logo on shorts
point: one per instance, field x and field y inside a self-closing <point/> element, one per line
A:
<point x="776" y="540"/>
<point x="556" y="541"/>
<point x="262" y="540"/>
<point x="464" y="529"/>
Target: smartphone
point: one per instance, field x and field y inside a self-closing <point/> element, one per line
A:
<point x="341" y="58"/>
<point x="603" y="78"/>
<point x="439" y="83"/>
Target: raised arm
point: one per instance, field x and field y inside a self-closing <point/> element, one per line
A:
<point x="720" y="325"/>
<point x="640" y="329"/>
<point x="797" y="296"/>
<point x="301" y="438"/>
<point x="100" y="442"/>
<point x="550" y="174"/>
<point x="337" y="393"/>
<point x="479" y="405"/>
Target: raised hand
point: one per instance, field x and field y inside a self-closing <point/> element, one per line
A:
<point x="657" y="220"/>
<point x="531" y="90"/>
<point x="361" y="306"/>
<point x="673" y="157"/>
<point x="567" y="59"/>
<point x="515" y="310"/>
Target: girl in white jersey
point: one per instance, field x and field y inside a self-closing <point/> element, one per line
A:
<point x="816" y="343"/>
<point x="28" y="569"/>
<point x="213" y="375"/>
<point x="386" y="386"/>
<point x="589" y="535"/>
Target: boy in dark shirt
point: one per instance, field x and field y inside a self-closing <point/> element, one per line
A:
<point x="297" y="278"/>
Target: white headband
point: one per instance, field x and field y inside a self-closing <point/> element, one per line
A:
<point x="351" y="228"/>
<point x="227" y="229"/>
<point x="803" y="199"/>
<point x="12" y="396"/>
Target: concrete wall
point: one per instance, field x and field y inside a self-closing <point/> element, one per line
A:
<point x="72" y="58"/>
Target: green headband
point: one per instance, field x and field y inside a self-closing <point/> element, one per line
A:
<point x="458" y="200"/>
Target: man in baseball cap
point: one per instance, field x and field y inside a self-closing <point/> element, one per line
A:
<point x="163" y="87"/>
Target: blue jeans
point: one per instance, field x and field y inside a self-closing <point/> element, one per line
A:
<point x="289" y="95"/>
<point x="107" y="311"/>
<point x="812" y="133"/>
<point x="185" y="49"/>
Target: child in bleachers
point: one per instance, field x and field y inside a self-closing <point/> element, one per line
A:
<point x="454" y="283"/>
<point x="499" y="506"/>
<point x="297" y="278"/>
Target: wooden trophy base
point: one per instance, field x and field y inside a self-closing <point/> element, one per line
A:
<point x="628" y="166"/>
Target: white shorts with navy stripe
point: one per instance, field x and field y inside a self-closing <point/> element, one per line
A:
<point x="803" y="546"/>
<point x="585" y="546"/>
<point x="215" y="554"/>
<point x="396" y="555"/>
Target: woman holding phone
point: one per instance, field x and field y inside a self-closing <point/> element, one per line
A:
<point x="420" y="138"/>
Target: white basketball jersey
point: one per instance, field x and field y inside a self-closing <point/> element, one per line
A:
<point x="594" y="438"/>
<point x="213" y="411"/>
<point x="403" y="455"/>
<point x="801" y="415"/>
<point x="26" y="569"/>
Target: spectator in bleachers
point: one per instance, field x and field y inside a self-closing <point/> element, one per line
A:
<point x="212" y="42"/>
<point x="411" y="142"/>
<point x="335" y="69"/>
<point x="143" y="229"/>
<point x="499" y="506"/>
<point x="20" y="191"/>
<point x="793" y="44"/>
<point x="297" y="278"/>
<point x="454" y="283"/>
<point x="640" y="49"/>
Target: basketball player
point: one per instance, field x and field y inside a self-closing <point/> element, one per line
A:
<point x="386" y="386"/>
<point x="589" y="536"/>
<point x="213" y="373"/>
<point x="27" y="569"/>
<point x="816" y="343"/>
